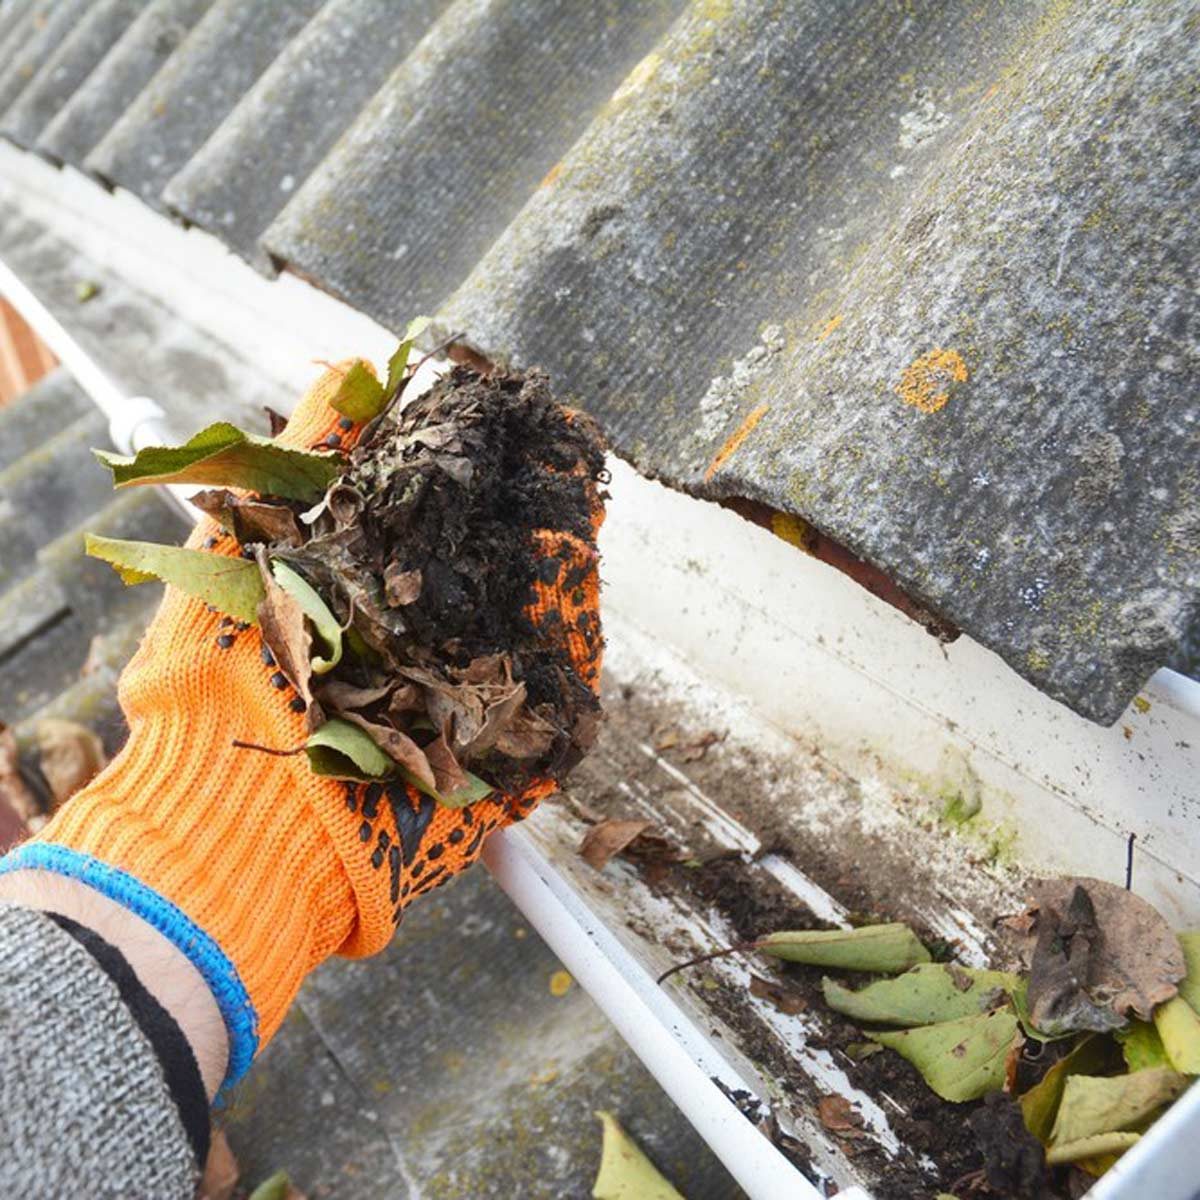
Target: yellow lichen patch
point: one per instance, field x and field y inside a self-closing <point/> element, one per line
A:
<point x="925" y="383"/>
<point x="1141" y="704"/>
<point x="560" y="983"/>
<point x="794" y="530"/>
<point x="739" y="435"/>
<point x="638" y="77"/>
<point x="829" y="327"/>
<point x="551" y="175"/>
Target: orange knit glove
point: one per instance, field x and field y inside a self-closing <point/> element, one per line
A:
<point x="255" y="867"/>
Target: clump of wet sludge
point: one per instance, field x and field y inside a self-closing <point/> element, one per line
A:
<point x="430" y="595"/>
<point x="434" y="543"/>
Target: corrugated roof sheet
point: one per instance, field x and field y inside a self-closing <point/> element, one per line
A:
<point x="922" y="275"/>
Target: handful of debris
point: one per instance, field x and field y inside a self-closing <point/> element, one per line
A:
<point x="400" y="587"/>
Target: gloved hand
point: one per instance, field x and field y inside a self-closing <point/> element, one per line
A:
<point x="254" y="867"/>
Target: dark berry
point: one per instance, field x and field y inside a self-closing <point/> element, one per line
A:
<point x="297" y="704"/>
<point x="345" y="423"/>
<point x="333" y="441"/>
<point x="279" y="680"/>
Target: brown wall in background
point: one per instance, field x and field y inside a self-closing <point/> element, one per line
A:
<point x="23" y="358"/>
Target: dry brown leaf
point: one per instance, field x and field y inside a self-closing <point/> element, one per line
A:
<point x="338" y="696"/>
<point x="1100" y="953"/>
<point x="70" y="755"/>
<point x="285" y="631"/>
<point x="608" y="838"/>
<point x="400" y="587"/>
<point x="447" y="772"/>
<point x="398" y="746"/>
<point x="220" y="1170"/>
<point x="14" y="792"/>
<point x="783" y="998"/>
<point x="838" y="1115"/>
<point x="250" y="518"/>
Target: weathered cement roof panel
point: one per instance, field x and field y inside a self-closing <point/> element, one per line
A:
<point x="66" y="68"/>
<point x="449" y="149"/>
<point x="227" y="50"/>
<point x="762" y="241"/>
<point x="809" y="254"/>
<point x="41" y="32"/>
<point x="291" y="117"/>
<point x="114" y="85"/>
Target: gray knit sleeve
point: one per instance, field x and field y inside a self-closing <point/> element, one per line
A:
<point x="84" y="1106"/>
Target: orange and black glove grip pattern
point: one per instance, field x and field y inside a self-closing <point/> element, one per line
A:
<point x="255" y="868"/>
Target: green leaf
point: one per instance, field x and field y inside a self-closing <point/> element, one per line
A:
<point x="344" y="751"/>
<point x="625" y="1172"/>
<point x="232" y="585"/>
<point x="1039" y="1105"/>
<point x="1189" y="988"/>
<point x="360" y="395"/>
<point x="316" y="610"/>
<point x="960" y="1060"/>
<point x="1096" y="1146"/>
<point x="883" y="948"/>
<point x="223" y="456"/>
<point x="1179" y="1027"/>
<point x="275" y="1188"/>
<point x="926" y="995"/>
<point x="399" y="360"/>
<point x="1092" y="1105"/>
<point x="1141" y="1046"/>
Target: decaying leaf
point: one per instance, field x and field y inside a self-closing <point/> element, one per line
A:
<point x="1099" y="1145"/>
<point x="250" y="518"/>
<point x="838" y="1115"/>
<point x="1101" y="953"/>
<point x="1039" y="1105"/>
<point x="400" y="748"/>
<point x="220" y="1170"/>
<point x="224" y="456"/>
<point x="960" y="1060"/>
<point x="781" y="997"/>
<point x="1189" y="985"/>
<point x="277" y="1187"/>
<point x="15" y="794"/>
<point x="1141" y="1046"/>
<point x="69" y="755"/>
<point x="316" y="610"/>
<point x="924" y="995"/>
<point x="360" y="395"/>
<point x="1014" y="1161"/>
<point x="1179" y="1028"/>
<point x="343" y="751"/>
<point x="1106" y="1104"/>
<point x="625" y="1172"/>
<point x="230" y="585"/>
<point x="401" y="587"/>
<point x="607" y="839"/>
<point x="285" y="633"/>
<point x="882" y="948"/>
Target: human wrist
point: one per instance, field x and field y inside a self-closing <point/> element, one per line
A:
<point x="160" y="966"/>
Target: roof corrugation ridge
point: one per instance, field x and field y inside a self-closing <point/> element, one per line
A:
<point x="292" y="116"/>
<point x="66" y="68"/>
<point x="949" y="372"/>
<point x="227" y="50"/>
<point x="113" y="86"/>
<point x="21" y="26"/>
<point x="39" y="36"/>
<point x="448" y="150"/>
<point x="11" y="14"/>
